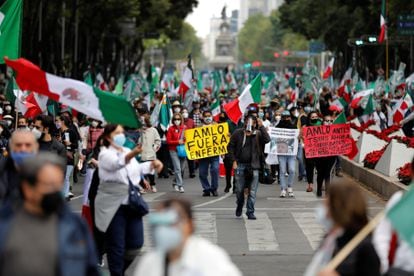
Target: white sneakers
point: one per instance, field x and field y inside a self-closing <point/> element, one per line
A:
<point x="153" y="189"/>
<point x="176" y="188"/>
<point x="289" y="193"/>
<point x="181" y="189"/>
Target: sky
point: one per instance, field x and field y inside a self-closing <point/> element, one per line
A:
<point x="206" y="9"/>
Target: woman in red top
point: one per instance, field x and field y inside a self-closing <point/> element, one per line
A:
<point x="175" y="137"/>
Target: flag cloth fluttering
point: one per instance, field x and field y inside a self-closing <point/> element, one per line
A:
<point x="215" y="110"/>
<point x="11" y="17"/>
<point x="185" y="84"/>
<point x="383" y="23"/>
<point x="328" y="70"/>
<point x="78" y="95"/>
<point x="402" y="107"/>
<point x="251" y="94"/>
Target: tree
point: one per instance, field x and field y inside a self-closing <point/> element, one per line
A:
<point x="108" y="31"/>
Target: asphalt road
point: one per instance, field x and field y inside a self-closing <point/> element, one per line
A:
<point x="280" y="242"/>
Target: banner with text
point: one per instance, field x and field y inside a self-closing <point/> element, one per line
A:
<point x="328" y="140"/>
<point x="207" y="141"/>
<point x="283" y="141"/>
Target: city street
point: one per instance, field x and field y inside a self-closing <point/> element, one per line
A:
<point x="280" y="242"/>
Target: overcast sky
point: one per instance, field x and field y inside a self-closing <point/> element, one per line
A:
<point x="206" y="9"/>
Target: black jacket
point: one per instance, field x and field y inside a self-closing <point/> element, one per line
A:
<point x="236" y="144"/>
<point x="9" y="181"/>
<point x="363" y="260"/>
<point x="53" y="146"/>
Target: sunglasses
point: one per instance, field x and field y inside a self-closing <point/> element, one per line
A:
<point x="177" y="119"/>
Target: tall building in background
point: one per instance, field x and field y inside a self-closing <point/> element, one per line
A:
<point x="252" y="7"/>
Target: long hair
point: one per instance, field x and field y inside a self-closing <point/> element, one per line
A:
<point x="106" y="135"/>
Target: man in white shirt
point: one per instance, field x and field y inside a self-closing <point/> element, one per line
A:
<point x="178" y="250"/>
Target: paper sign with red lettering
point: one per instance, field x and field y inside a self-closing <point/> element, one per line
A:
<point x="327" y="140"/>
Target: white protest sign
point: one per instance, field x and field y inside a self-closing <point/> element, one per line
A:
<point x="283" y="141"/>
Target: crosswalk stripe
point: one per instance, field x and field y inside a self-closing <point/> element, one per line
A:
<point x="310" y="227"/>
<point x="150" y="197"/>
<point x="206" y="226"/>
<point x="260" y="233"/>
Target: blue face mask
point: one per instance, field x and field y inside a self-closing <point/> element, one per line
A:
<point x="119" y="139"/>
<point x="167" y="238"/>
<point x="261" y="114"/>
<point x="19" y="157"/>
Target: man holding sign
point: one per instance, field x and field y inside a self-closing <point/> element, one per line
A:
<point x="205" y="144"/>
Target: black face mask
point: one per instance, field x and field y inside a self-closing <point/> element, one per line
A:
<point x="52" y="203"/>
<point x="314" y="121"/>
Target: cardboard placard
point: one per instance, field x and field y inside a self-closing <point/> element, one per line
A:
<point x="327" y="140"/>
<point x="283" y="141"/>
<point x="206" y="141"/>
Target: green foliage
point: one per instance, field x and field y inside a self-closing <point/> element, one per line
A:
<point x="188" y="43"/>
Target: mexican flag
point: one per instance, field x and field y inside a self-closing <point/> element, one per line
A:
<point x="344" y="89"/>
<point x="368" y="106"/>
<point x="215" y="110"/>
<point x="185" y="83"/>
<point x="78" y="95"/>
<point x="338" y="105"/>
<point x="11" y="18"/>
<point x="101" y="82"/>
<point x="383" y="24"/>
<point x="401" y="217"/>
<point x="328" y="69"/>
<point x="356" y="101"/>
<point x="402" y="107"/>
<point x="28" y="104"/>
<point x="165" y="115"/>
<point x="340" y="119"/>
<point x="251" y="94"/>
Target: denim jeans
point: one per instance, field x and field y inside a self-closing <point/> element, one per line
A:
<point x="204" y="164"/>
<point x="287" y="164"/>
<point x="66" y="185"/>
<point x="179" y="165"/>
<point x="240" y="185"/>
<point x="302" y="166"/>
<point x="125" y="232"/>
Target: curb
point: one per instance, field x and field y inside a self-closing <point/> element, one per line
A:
<point x="383" y="185"/>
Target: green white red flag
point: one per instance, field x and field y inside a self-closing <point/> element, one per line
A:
<point x="99" y="105"/>
<point x="383" y="23"/>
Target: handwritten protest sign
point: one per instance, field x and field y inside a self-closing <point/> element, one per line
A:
<point x="282" y="141"/>
<point x="206" y="141"/>
<point x="328" y="140"/>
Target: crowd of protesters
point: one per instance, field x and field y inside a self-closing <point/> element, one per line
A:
<point x="42" y="157"/>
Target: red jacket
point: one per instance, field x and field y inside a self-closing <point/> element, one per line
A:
<point x="189" y="123"/>
<point x="173" y="136"/>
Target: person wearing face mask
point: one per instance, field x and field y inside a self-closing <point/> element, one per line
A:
<point x="343" y="214"/>
<point x="151" y="143"/>
<point x="22" y="123"/>
<point x="313" y="120"/>
<point x="287" y="163"/>
<point x="175" y="137"/>
<point x="9" y="122"/>
<point x="45" y="132"/>
<point x="7" y="108"/>
<point x="195" y="114"/>
<point x="246" y="149"/>
<point x="176" y="107"/>
<point x="42" y="236"/>
<point x="122" y="225"/>
<point x="324" y="165"/>
<point x="22" y="144"/>
<point x="177" y="250"/>
<point x="189" y="124"/>
<point x="209" y="164"/>
<point x="262" y="115"/>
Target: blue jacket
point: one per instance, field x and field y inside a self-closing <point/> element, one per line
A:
<point x="76" y="249"/>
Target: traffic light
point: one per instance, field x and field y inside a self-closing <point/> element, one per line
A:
<point x="276" y="54"/>
<point x="256" y="63"/>
<point x="285" y="53"/>
<point x="359" y="42"/>
<point x="247" y="65"/>
<point x="372" y="39"/>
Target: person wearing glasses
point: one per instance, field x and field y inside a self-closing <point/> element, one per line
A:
<point x="175" y="137"/>
<point x="324" y="165"/>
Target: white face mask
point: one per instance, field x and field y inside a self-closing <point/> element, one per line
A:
<point x="185" y="115"/>
<point x="94" y="124"/>
<point x="37" y="133"/>
<point x="8" y="108"/>
<point x="278" y="118"/>
<point x="167" y="238"/>
<point x="176" y="109"/>
<point x="177" y="122"/>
